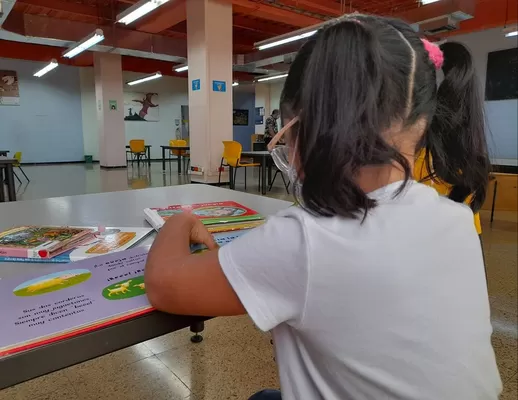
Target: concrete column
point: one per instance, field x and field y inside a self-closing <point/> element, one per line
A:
<point x="110" y="109"/>
<point x="209" y="41"/>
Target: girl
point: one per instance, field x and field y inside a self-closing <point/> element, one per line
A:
<point x="374" y="288"/>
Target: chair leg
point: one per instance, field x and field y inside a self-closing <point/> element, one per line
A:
<point x="24" y="174"/>
<point x="16" y="176"/>
<point x="245" y="177"/>
<point x="273" y="181"/>
<point x="286" y="185"/>
<point x="220" y="168"/>
<point x="235" y="174"/>
<point x="493" y="204"/>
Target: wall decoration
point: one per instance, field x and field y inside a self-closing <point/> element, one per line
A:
<point x="240" y="117"/>
<point x="141" y="107"/>
<point x="502" y="75"/>
<point x="9" y="90"/>
<point x="259" y="115"/>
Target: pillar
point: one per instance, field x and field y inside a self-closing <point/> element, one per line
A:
<point x="209" y="41"/>
<point x="110" y="110"/>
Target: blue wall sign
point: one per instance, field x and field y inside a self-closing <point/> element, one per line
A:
<point x="219" y="86"/>
<point x="196" y="85"/>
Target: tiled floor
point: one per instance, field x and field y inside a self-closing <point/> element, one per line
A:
<point x="235" y="359"/>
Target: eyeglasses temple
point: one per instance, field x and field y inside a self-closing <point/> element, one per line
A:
<point x="281" y="133"/>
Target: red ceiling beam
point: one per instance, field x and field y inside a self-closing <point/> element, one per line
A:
<point x="75" y="8"/>
<point x="262" y="26"/>
<point x="168" y="15"/>
<point x="330" y="8"/>
<point x="273" y="13"/>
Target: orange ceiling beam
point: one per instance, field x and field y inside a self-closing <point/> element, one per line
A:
<point x="168" y="15"/>
<point x="272" y="13"/>
<point x="75" y="8"/>
<point x="262" y="26"/>
<point x="324" y="7"/>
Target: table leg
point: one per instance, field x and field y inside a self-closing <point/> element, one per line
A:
<point x="11" y="190"/>
<point x="197" y="328"/>
<point x="263" y="174"/>
<point x="494" y="201"/>
<point x="163" y="159"/>
<point x="2" y="189"/>
<point x="149" y="156"/>
<point x="179" y="160"/>
<point x="269" y="161"/>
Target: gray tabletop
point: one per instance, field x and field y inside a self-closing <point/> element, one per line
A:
<point x="256" y="153"/>
<point x="5" y="160"/>
<point x="104" y="209"/>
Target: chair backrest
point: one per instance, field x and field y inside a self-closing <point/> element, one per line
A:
<point x="137" y="145"/>
<point x="178" y="142"/>
<point x="18" y="156"/>
<point x="232" y="152"/>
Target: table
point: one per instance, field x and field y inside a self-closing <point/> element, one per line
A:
<point x="7" y="176"/>
<point x="3" y="153"/>
<point x="265" y="157"/>
<point x="105" y="209"/>
<point x="178" y="158"/>
<point x="148" y="153"/>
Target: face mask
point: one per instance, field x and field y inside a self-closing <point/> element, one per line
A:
<point x="285" y="163"/>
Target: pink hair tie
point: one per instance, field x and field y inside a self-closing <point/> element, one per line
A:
<point x="434" y="53"/>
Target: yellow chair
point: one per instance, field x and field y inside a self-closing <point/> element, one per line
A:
<point x="180" y="153"/>
<point x="18" y="163"/>
<point x="232" y="158"/>
<point x="138" y="150"/>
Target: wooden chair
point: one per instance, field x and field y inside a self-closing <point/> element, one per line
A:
<point x="232" y="158"/>
<point x="138" y="150"/>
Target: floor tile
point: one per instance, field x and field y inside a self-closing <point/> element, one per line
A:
<point x="56" y="382"/>
<point x="147" y="379"/>
<point x="506" y="352"/>
<point x="510" y="389"/>
<point x="107" y="364"/>
<point x="170" y="341"/>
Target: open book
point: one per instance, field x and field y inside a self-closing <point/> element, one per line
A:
<point x="221" y="216"/>
<point x="97" y="241"/>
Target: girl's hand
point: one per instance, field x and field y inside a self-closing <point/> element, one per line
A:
<point x="180" y="224"/>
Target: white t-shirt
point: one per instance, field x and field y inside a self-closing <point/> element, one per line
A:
<point x="394" y="307"/>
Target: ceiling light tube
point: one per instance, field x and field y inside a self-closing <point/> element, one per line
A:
<point x="287" y="40"/>
<point x="270" y="78"/>
<point x="235" y="84"/>
<point x="511" y="34"/>
<point x="510" y="31"/>
<point x="181" y="68"/>
<point x="138" y="10"/>
<point x="86" y="43"/>
<point x="53" y="64"/>
<point x="425" y="2"/>
<point x="145" y="79"/>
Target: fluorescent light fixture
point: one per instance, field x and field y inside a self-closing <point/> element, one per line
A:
<point x="53" y="64"/>
<point x="182" y="68"/>
<point x="287" y="40"/>
<point x="510" y="31"/>
<point x="425" y="2"/>
<point x="86" y="43"/>
<point x="138" y="10"/>
<point x="156" y="75"/>
<point x="511" y="34"/>
<point x="270" y="78"/>
<point x="235" y="84"/>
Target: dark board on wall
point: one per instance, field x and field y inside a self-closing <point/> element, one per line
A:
<point x="502" y="75"/>
<point x="240" y="117"/>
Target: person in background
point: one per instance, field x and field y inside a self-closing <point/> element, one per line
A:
<point x="374" y="287"/>
<point x="270" y="126"/>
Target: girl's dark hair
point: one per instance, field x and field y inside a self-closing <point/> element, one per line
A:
<point x="352" y="82"/>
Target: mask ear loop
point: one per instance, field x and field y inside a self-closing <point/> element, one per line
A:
<point x="281" y="133"/>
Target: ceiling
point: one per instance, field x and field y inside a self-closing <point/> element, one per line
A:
<point x="162" y="34"/>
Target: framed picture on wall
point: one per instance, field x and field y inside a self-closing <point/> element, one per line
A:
<point x="502" y="75"/>
<point x="259" y="115"/>
<point x="143" y="107"/>
<point x="9" y="91"/>
<point x="240" y="117"/>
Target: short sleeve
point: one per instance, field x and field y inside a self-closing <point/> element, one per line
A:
<point x="267" y="268"/>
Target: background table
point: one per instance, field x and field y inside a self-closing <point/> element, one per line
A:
<point x="148" y="153"/>
<point x="265" y="158"/>
<point x="104" y="209"/>
<point x="3" y="153"/>
<point x="178" y="158"/>
<point x="7" y="177"/>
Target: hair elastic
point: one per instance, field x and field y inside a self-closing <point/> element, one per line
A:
<point x="434" y="53"/>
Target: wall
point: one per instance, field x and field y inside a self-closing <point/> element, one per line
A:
<point x="244" y="99"/>
<point x="46" y="126"/>
<point x="502" y="116"/>
<point x="262" y="99"/>
<point x="172" y="94"/>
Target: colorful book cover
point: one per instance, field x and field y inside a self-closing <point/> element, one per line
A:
<point x="226" y="212"/>
<point x="41" y="241"/>
<point x="221" y="238"/>
<point x="42" y="308"/>
<point x="100" y="242"/>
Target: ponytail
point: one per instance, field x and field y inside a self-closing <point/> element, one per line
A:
<point x="455" y="143"/>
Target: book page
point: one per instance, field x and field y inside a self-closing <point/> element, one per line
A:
<point x="67" y="297"/>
